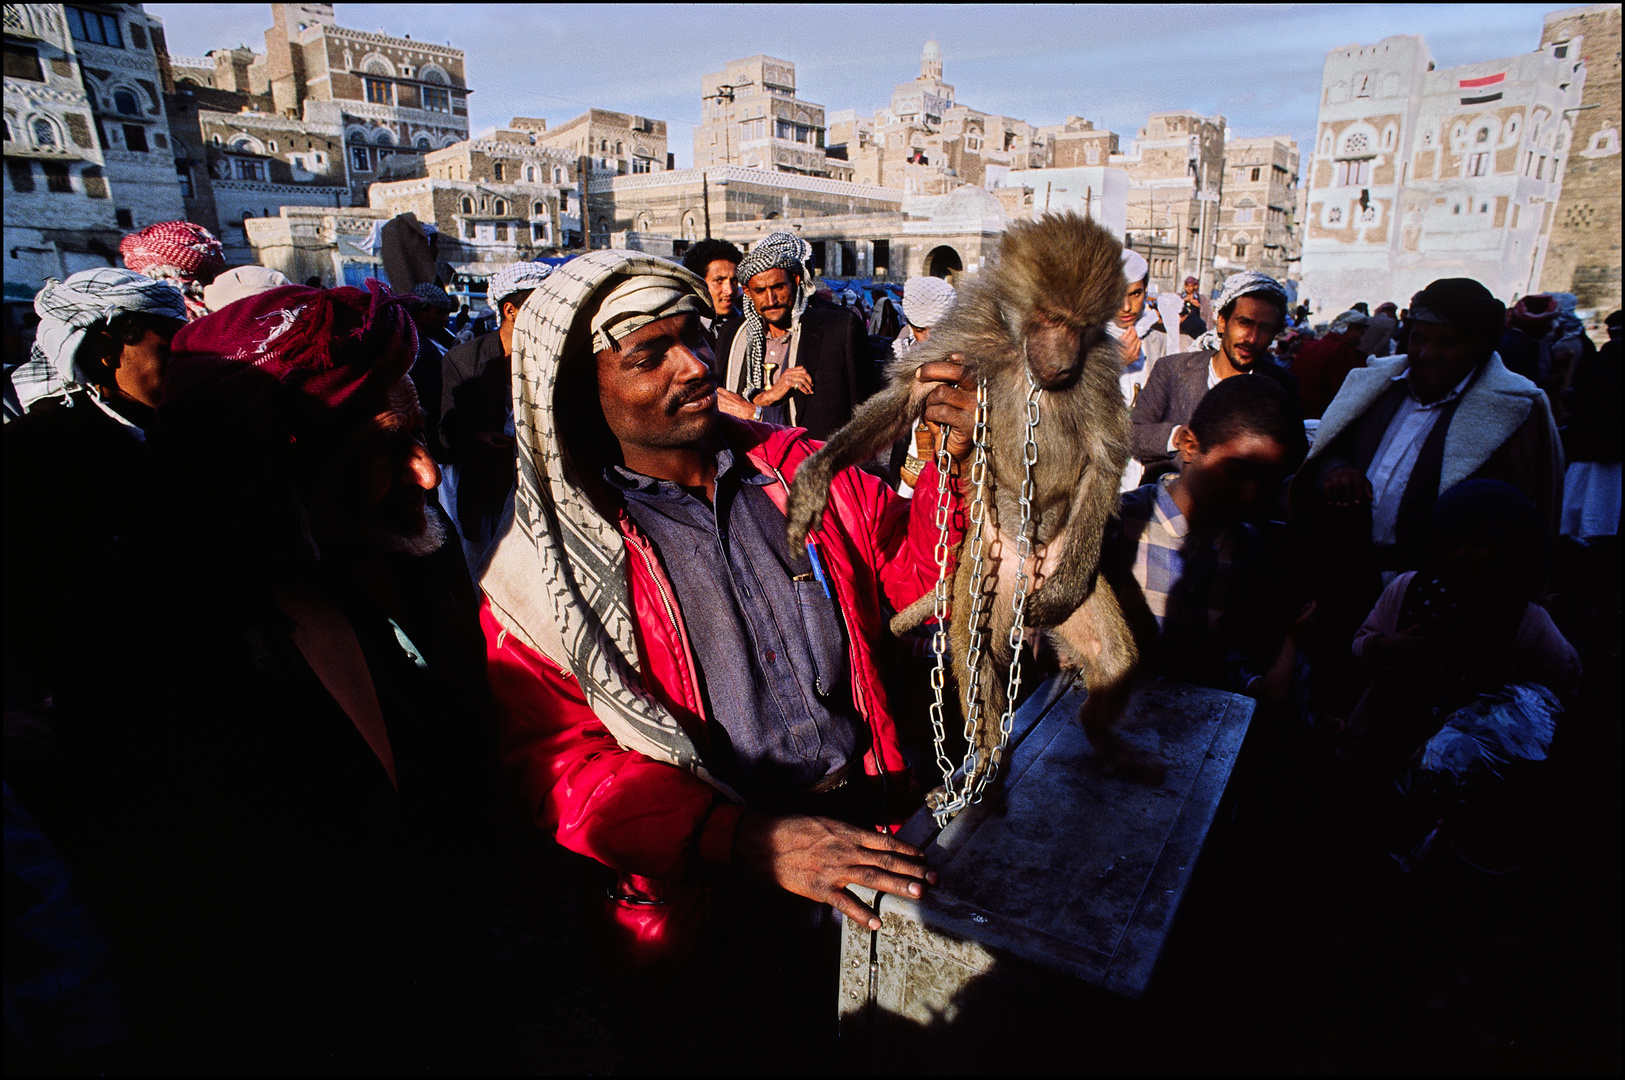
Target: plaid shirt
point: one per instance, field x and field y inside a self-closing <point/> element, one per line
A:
<point x="1160" y="535"/>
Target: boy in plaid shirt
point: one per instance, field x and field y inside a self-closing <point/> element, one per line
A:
<point x="1195" y="579"/>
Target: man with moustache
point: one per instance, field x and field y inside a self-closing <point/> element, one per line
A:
<point x="277" y="761"/>
<point x="682" y="696"/>
<point x="786" y="362"/>
<point x="1251" y="311"/>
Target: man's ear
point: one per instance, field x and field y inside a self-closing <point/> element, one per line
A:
<point x="1186" y="443"/>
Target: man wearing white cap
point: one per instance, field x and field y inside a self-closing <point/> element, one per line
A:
<point x="1140" y="354"/>
<point x="926" y="302"/>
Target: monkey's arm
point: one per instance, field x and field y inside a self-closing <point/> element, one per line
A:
<point x="1073" y="578"/>
<point x="878" y="423"/>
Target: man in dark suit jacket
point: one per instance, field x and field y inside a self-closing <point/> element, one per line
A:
<point x="1251" y="311"/>
<point x="786" y="362"/>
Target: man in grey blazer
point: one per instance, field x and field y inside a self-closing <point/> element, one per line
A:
<point x="1251" y="311"/>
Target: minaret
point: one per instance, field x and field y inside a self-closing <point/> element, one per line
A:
<point x="931" y="62"/>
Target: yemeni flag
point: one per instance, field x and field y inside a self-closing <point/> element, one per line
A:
<point x="1479" y="92"/>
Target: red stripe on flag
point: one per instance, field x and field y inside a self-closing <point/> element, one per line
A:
<point x="1488" y="80"/>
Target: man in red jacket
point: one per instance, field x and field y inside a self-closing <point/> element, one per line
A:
<point x="682" y="696"/>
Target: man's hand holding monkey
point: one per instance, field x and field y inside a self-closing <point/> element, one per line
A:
<point x="951" y="402"/>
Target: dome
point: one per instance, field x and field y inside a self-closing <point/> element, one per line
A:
<point x="933" y="51"/>
<point x="970" y="205"/>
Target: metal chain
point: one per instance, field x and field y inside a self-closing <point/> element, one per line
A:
<point x="954" y="802"/>
<point x="1018" y="599"/>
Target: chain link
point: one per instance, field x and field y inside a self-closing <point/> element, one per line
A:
<point x="953" y="802"/>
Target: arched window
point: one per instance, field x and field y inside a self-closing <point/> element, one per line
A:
<point x="125" y="104"/>
<point x="423" y="143"/>
<point x="1483" y="135"/>
<point x="44" y="133"/>
<point x="501" y="207"/>
<point x="383" y="137"/>
<point x="430" y="73"/>
<point x="618" y="150"/>
<point x="530" y="174"/>
<point x="538" y="209"/>
<point x="468" y="205"/>
<point x="603" y="146"/>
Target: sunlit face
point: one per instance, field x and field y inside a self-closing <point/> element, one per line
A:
<point x="1245" y="335"/>
<point x="657" y="387"/>
<point x="1133" y="304"/>
<point x="719" y="279"/>
<point x="139" y="373"/>
<point x="376" y="492"/>
<point x="773" y="293"/>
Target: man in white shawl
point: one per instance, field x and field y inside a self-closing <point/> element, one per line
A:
<point x="681" y="697"/>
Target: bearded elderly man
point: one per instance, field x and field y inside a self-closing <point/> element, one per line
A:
<point x="1251" y="311"/>
<point x="682" y="696"/>
<point x="786" y="362"/>
<point x="277" y="759"/>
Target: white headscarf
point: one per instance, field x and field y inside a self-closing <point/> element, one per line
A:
<point x="558" y="578"/>
<point x="67" y="311"/>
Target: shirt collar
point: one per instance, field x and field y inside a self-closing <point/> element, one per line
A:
<point x="648" y="488"/>
<point x="1168" y="514"/>
<point x="1455" y="391"/>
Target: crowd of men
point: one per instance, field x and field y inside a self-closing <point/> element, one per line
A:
<point x="309" y="590"/>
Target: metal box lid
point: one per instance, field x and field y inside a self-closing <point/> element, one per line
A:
<point x="1079" y="872"/>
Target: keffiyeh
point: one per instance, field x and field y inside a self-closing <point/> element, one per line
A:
<point x="558" y="578"/>
<point x="780" y="251"/>
<point x="520" y="277"/>
<point x="68" y="309"/>
<point x="177" y="251"/>
<point x="639" y="301"/>
<point x="1250" y="283"/>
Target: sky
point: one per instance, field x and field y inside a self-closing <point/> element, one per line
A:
<point x="1258" y="66"/>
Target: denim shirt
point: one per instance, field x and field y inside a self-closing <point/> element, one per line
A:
<point x="768" y="640"/>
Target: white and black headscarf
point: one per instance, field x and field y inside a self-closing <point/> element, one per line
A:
<point x="780" y="251"/>
<point x="67" y="311"/>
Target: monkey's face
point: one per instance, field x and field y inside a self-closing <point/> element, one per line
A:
<point x="1056" y="348"/>
<point x="657" y="387"/>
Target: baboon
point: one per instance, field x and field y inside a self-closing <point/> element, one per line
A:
<point x="1040" y="313"/>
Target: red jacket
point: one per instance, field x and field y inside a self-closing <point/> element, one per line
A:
<point x="651" y="820"/>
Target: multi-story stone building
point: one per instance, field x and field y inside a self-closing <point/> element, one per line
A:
<point x="1583" y="254"/>
<point x="1257" y="226"/>
<point x="751" y="116"/>
<point x="495" y="199"/>
<point x="390" y="96"/>
<point x="1077" y="144"/>
<point x="1419" y="174"/>
<point x="317" y="118"/>
<point x="236" y="158"/>
<point x="856" y="230"/>
<point x="86" y="141"/>
<point x="1176" y="176"/>
<point x="614" y="143"/>
<point x="924" y="142"/>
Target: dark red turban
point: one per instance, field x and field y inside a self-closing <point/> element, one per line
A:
<point x="327" y="344"/>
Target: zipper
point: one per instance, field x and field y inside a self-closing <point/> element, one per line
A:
<point x="671" y="610"/>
